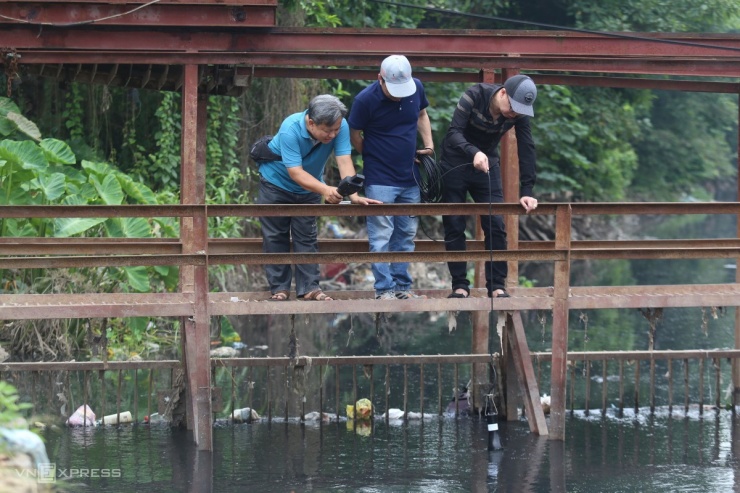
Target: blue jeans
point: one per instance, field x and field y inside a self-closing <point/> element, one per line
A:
<point x="279" y="232"/>
<point x="392" y="234"/>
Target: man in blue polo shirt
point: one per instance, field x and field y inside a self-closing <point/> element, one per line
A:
<point x="304" y="142"/>
<point x="384" y="122"/>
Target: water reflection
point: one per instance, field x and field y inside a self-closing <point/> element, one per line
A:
<point x="635" y="453"/>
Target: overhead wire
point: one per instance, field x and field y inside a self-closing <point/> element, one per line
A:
<point x="79" y="23"/>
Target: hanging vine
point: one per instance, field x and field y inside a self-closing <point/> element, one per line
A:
<point x="653" y="316"/>
<point x="74" y="113"/>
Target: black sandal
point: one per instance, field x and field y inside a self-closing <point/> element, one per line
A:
<point x="502" y="294"/>
<point x="455" y="294"/>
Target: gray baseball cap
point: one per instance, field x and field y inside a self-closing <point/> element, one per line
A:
<point x="522" y="92"/>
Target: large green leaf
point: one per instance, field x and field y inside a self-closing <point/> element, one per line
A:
<point x="166" y="227"/>
<point x="52" y="185"/>
<point x="19" y="195"/>
<point x="88" y="192"/>
<point x="25" y="154"/>
<point x="17" y="228"/>
<point x="128" y="227"/>
<point x="113" y="228"/>
<point x="69" y="226"/>
<point x="136" y="190"/>
<point x="138" y="278"/>
<point x="7" y="105"/>
<point x="57" y="151"/>
<point x="73" y="174"/>
<point x="7" y="127"/>
<point x="73" y="200"/>
<point x="109" y="190"/>
<point x="25" y="125"/>
<point x="135" y="227"/>
<point x="99" y="169"/>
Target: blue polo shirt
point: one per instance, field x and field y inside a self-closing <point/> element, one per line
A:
<point x="293" y="142"/>
<point x="389" y="129"/>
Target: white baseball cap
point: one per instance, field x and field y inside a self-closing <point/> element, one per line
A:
<point x="396" y="72"/>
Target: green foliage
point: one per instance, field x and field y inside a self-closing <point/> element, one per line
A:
<point x="7" y="126"/>
<point x="73" y="113"/>
<point x="348" y="13"/>
<point x="583" y="142"/>
<point x="161" y="169"/>
<point x="655" y="15"/>
<point x="10" y="409"/>
<point x="47" y="173"/>
<point x="24" y="125"/>
<point x="228" y="335"/>
<point x="224" y="177"/>
<point x="675" y="158"/>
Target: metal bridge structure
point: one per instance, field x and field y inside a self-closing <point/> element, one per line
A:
<point x="202" y="48"/>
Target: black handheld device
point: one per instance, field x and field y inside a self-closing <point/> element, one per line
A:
<point x="351" y="184"/>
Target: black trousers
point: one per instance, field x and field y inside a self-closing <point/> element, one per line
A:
<point x="279" y="232"/>
<point x="483" y="188"/>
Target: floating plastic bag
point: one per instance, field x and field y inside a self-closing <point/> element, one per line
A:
<point x="84" y="416"/>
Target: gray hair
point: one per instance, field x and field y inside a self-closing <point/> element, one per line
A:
<point x="326" y="109"/>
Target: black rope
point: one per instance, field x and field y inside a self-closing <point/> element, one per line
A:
<point x="490" y="249"/>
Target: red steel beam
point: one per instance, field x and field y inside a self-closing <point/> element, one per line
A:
<point x="355" y="256"/>
<point x="710" y="67"/>
<point x="254" y="303"/>
<point x="32" y="306"/>
<point x="415" y="42"/>
<point x="253" y="210"/>
<point x="244" y="74"/>
<point x="639" y="83"/>
<point x="152" y="246"/>
<point x="644" y="355"/>
<point x="73" y="14"/>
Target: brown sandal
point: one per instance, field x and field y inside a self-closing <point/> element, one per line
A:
<point x="316" y="295"/>
<point x="280" y="296"/>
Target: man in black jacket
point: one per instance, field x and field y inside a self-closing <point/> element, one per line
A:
<point x="470" y="163"/>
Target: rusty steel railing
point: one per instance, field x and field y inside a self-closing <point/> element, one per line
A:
<point x="20" y="253"/>
<point x="279" y="387"/>
<point x="197" y="303"/>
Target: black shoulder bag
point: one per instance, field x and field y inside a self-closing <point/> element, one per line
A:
<point x="261" y="152"/>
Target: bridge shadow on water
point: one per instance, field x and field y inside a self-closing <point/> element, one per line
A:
<point x="659" y="453"/>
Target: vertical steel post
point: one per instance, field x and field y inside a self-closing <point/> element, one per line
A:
<point x="560" y="324"/>
<point x="510" y="183"/>
<point x="194" y="279"/>
<point x="735" y="362"/>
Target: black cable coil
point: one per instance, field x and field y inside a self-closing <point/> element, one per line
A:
<point x="431" y="178"/>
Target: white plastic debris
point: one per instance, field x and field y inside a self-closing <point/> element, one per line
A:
<point x="244" y="415"/>
<point x="113" y="419"/>
<point x="83" y="416"/>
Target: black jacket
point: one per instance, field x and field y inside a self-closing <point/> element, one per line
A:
<point x="473" y="129"/>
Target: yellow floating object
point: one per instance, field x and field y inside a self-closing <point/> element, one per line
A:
<point x="362" y="427"/>
<point x="363" y="409"/>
